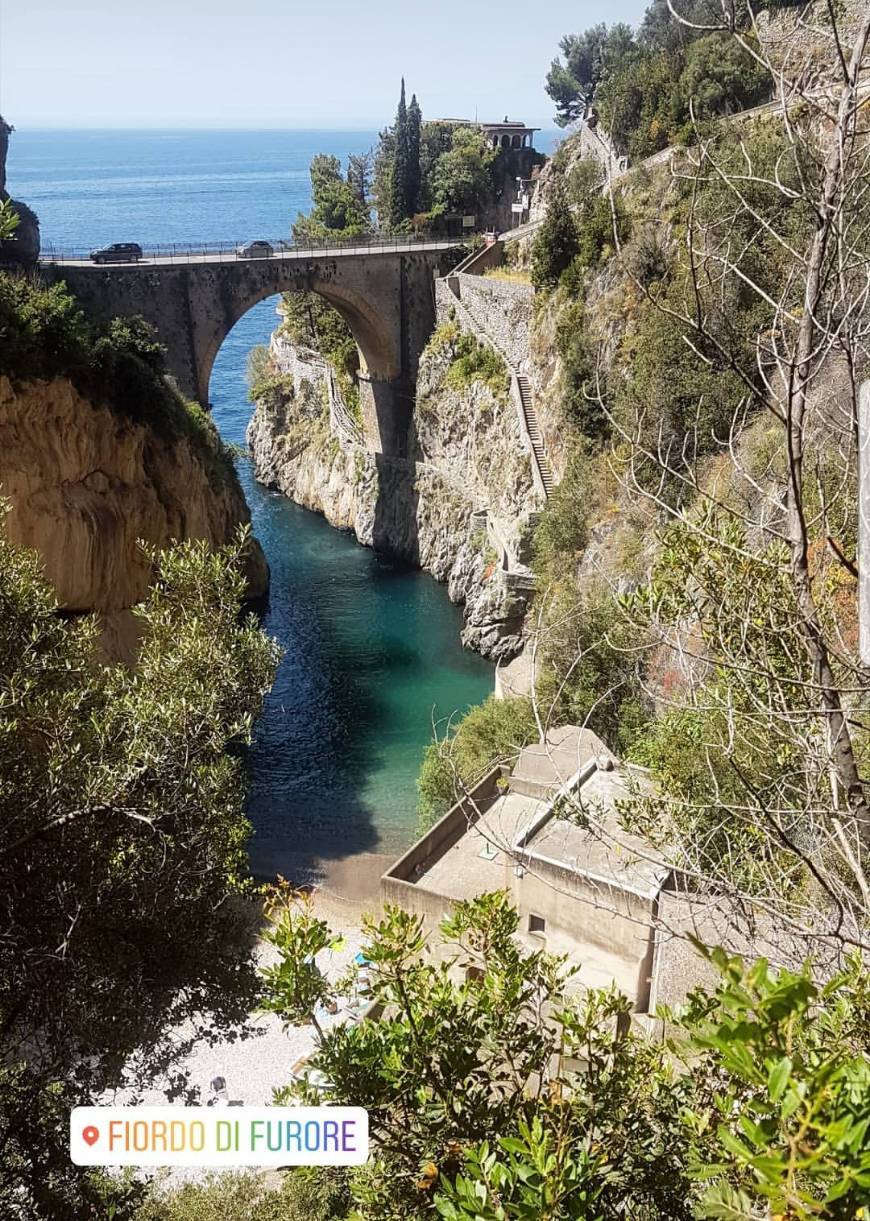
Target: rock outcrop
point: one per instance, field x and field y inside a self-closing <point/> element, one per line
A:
<point x="85" y="485"/>
<point x="469" y="475"/>
<point x="22" y="250"/>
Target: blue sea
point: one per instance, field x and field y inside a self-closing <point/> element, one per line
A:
<point x="372" y="652"/>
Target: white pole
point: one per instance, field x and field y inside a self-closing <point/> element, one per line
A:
<point x="864" y="522"/>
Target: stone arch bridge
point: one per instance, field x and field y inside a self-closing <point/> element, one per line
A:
<point x="384" y="291"/>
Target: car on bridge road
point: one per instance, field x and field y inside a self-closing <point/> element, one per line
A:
<point x="255" y="250"/>
<point x="118" y="252"/>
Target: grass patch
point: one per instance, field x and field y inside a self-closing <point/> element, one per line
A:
<point x="514" y="275"/>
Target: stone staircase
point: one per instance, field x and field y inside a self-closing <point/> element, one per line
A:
<point x="533" y="428"/>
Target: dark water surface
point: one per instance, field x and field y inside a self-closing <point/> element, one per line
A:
<point x="372" y="648"/>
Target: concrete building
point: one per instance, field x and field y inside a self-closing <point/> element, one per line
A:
<point x="508" y="134"/>
<point x="581" y="885"/>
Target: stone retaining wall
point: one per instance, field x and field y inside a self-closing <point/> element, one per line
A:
<point x="503" y="310"/>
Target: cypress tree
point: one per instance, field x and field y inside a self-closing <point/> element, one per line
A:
<point x="415" y="122"/>
<point x="399" y="182"/>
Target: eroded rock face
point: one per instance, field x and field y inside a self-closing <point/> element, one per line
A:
<point x="468" y="457"/>
<point x="85" y="485"/>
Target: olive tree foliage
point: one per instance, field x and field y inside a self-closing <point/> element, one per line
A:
<point x="461" y="1060"/>
<point x="496" y="1091"/>
<point x="122" y="851"/>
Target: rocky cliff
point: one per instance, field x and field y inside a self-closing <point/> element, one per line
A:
<point x="22" y="250"/>
<point x="466" y="488"/>
<point x="85" y="484"/>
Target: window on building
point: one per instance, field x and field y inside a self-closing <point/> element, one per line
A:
<point x="537" y="924"/>
<point x="474" y="974"/>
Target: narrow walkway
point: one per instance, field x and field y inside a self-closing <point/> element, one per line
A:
<point x="342" y="423"/>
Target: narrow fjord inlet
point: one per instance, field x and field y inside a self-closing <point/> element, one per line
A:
<point x="372" y="656"/>
<point x="372" y="660"/>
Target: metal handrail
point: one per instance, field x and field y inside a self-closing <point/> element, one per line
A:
<point x="281" y="247"/>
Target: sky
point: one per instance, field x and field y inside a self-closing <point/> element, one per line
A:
<point x="281" y="63"/>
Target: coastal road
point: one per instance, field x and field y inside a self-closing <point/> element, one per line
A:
<point x="169" y="256"/>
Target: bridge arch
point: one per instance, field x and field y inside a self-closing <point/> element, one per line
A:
<point x="379" y="357"/>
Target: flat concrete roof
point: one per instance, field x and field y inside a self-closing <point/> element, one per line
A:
<point x="500" y="126"/>
<point x="522" y="824"/>
<point x="476" y="862"/>
<point x="602" y="852"/>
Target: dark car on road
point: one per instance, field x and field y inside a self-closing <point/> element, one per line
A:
<point x="255" y="250"/>
<point x="118" y="252"/>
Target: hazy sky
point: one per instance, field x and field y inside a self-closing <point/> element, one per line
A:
<point x="282" y="63"/>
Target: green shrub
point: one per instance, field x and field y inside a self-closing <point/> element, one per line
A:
<point x="676" y="406"/>
<point x="557" y="241"/>
<point x="310" y="321"/>
<point x="44" y="334"/>
<point x="648" y="259"/>
<point x="582" y="408"/>
<point x="644" y="86"/>
<point x="308" y="1194"/>
<point x="589" y="657"/>
<point x="494" y="731"/>
<point x="264" y="384"/>
<point x="161" y="742"/>
<point x="562" y="528"/>
<point x="475" y="361"/>
<point x="444" y="336"/>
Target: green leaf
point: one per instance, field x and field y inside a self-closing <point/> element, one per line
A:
<point x="778" y="1078"/>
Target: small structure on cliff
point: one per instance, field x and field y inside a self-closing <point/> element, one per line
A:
<point x="519" y="160"/>
<point x="508" y="134"/>
<point x="586" y="889"/>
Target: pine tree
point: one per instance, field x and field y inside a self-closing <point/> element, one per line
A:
<point x="415" y="122"/>
<point x="399" y="181"/>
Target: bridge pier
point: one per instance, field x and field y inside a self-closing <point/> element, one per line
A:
<point x="385" y="295"/>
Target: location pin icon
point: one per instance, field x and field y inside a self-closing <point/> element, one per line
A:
<point x="90" y="1134"/>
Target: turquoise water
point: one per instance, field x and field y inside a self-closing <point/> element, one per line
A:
<point x="372" y="648"/>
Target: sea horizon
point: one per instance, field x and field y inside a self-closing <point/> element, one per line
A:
<point x="546" y="129"/>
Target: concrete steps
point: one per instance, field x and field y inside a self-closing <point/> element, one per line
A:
<point x="534" y="430"/>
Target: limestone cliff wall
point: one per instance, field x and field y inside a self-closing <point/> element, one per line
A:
<point x="85" y="485"/>
<point x="468" y="461"/>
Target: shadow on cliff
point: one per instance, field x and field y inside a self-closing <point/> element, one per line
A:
<point x="395" y="531"/>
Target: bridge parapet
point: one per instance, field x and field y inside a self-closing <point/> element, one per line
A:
<point x="231" y="252"/>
